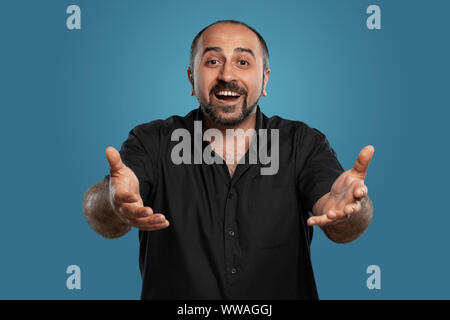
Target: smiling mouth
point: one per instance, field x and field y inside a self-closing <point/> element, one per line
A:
<point x="227" y="95"/>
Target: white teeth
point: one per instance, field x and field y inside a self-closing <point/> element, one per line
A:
<point x="228" y="93"/>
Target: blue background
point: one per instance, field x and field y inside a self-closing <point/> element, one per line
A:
<point x="66" y="95"/>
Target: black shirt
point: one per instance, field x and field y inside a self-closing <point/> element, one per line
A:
<point x="239" y="237"/>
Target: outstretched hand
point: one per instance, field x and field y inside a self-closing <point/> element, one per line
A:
<point x="125" y="198"/>
<point x="346" y="195"/>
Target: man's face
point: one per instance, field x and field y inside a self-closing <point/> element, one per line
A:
<point x="228" y="78"/>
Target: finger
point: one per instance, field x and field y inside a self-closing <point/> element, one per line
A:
<point x="345" y="214"/>
<point x="113" y="157"/>
<point x="319" y="220"/>
<point x="331" y="214"/>
<point x="336" y="216"/>
<point x="153" y="219"/>
<point x="149" y="223"/>
<point x="155" y="227"/>
<point x="352" y="208"/>
<point x="363" y="160"/>
<point x="120" y="196"/>
<point x="132" y="211"/>
<point x="360" y="191"/>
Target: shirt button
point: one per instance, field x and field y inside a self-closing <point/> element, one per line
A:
<point x="231" y="233"/>
<point x="233" y="271"/>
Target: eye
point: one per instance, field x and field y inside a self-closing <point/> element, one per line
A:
<point x="243" y="62"/>
<point x="212" y="61"/>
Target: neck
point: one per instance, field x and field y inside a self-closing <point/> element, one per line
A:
<point x="228" y="149"/>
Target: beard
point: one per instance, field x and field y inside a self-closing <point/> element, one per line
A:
<point x="215" y="112"/>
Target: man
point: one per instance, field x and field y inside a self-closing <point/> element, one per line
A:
<point x="227" y="231"/>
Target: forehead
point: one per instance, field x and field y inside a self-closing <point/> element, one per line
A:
<point x="229" y="36"/>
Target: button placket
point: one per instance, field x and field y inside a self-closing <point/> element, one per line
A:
<point x="230" y="235"/>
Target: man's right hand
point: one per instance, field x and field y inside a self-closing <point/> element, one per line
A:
<point x="125" y="198"/>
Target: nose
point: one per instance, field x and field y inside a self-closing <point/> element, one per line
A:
<point x="226" y="72"/>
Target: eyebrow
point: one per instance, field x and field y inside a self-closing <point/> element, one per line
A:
<point x="219" y="49"/>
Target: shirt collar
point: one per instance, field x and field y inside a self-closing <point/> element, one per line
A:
<point x="261" y="123"/>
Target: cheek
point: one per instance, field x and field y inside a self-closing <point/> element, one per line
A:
<point x="256" y="86"/>
<point x="203" y="82"/>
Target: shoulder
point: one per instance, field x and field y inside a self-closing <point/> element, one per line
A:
<point x="299" y="136"/>
<point x="299" y="128"/>
<point x="159" y="128"/>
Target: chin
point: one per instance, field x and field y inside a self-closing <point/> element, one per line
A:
<point x="230" y="120"/>
<point x="227" y="115"/>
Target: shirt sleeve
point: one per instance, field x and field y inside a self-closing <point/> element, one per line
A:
<point x="140" y="159"/>
<point x="319" y="167"/>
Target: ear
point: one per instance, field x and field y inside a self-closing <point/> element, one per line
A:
<point x="191" y="79"/>
<point x="266" y="79"/>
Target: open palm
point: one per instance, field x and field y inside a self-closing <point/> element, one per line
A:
<point x="344" y="198"/>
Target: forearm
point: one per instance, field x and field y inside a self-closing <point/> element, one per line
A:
<point x="351" y="229"/>
<point x="99" y="212"/>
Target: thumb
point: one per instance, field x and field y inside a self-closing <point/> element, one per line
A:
<point x="113" y="157"/>
<point x="363" y="160"/>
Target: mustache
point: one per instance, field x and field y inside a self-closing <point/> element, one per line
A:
<point x="232" y="86"/>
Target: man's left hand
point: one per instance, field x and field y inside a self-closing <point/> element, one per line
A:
<point x="346" y="195"/>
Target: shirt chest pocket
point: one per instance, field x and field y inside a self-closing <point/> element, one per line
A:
<point x="273" y="214"/>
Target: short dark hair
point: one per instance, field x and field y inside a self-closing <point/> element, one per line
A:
<point x="260" y="38"/>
